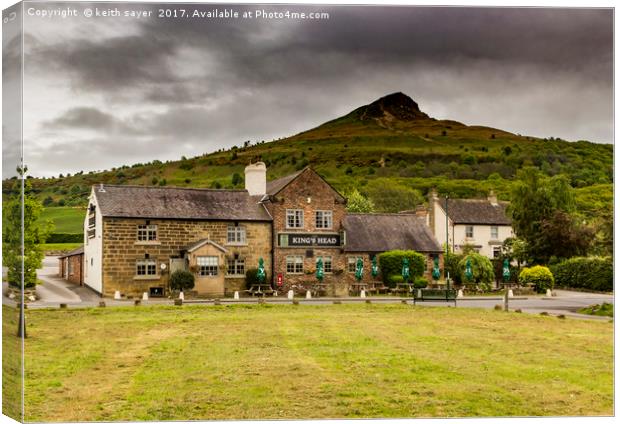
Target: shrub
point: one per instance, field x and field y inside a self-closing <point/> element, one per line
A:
<point x="420" y="283"/>
<point x="394" y="280"/>
<point x="538" y="276"/>
<point x="391" y="263"/>
<point x="452" y="267"/>
<point x="482" y="271"/>
<point x="251" y="277"/>
<point x="181" y="280"/>
<point x="594" y="273"/>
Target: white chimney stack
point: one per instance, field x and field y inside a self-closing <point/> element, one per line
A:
<point x="256" y="179"/>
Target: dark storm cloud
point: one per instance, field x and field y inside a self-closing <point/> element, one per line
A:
<point x="206" y="84"/>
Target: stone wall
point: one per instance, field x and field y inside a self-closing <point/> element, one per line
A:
<point x="121" y="250"/>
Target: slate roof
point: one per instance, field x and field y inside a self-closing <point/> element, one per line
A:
<point x="476" y="211"/>
<point x="382" y="232"/>
<point x="197" y="244"/>
<point x="179" y="203"/>
<point x="77" y="251"/>
<point x="275" y="186"/>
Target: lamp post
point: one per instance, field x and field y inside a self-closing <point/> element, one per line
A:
<point x="445" y="276"/>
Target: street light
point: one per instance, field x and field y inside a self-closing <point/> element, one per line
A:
<point x="445" y="276"/>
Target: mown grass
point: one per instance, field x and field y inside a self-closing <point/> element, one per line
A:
<point x="66" y="219"/>
<point x="11" y="364"/>
<point x="331" y="361"/>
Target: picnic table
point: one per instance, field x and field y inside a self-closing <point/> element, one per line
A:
<point x="378" y="288"/>
<point x="318" y="289"/>
<point x="356" y="288"/>
<point x="260" y="289"/>
<point x="402" y="288"/>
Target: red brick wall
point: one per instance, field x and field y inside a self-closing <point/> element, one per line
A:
<point x="308" y="185"/>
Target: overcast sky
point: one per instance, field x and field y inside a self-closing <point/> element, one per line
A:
<point x="102" y="92"/>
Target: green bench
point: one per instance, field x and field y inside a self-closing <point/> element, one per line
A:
<point x="434" y="295"/>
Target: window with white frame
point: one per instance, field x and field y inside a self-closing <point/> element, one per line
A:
<point x="294" y="264"/>
<point x="323" y="219"/>
<point x="236" y="234"/>
<point x="294" y="218"/>
<point x="207" y="266"/>
<point x="494" y="232"/>
<point x="146" y="267"/>
<point x="327" y="263"/>
<point x="352" y="263"/>
<point x="469" y="231"/>
<point x="147" y="232"/>
<point x="235" y="266"/>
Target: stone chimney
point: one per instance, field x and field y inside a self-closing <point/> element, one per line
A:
<point x="256" y="179"/>
<point x="492" y="198"/>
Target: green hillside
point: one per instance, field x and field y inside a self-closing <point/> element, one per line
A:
<point x="68" y="220"/>
<point x="388" y="149"/>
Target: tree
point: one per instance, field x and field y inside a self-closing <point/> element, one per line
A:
<point x="481" y="268"/>
<point x="357" y="203"/>
<point x="535" y="203"/>
<point x="181" y="280"/>
<point x="32" y="232"/>
<point x="564" y="236"/>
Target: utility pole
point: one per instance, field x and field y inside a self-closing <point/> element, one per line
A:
<point x="447" y="249"/>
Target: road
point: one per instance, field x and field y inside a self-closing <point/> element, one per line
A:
<point x="55" y="291"/>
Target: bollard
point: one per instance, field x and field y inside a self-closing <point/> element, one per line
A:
<point x="295" y="302"/>
<point x="510" y="293"/>
<point x="275" y="293"/>
<point x="145" y="296"/>
<point x="117" y="295"/>
<point x="368" y="301"/>
<point x="337" y="302"/>
<point x="63" y="306"/>
<point x="459" y="295"/>
<point x="137" y="302"/>
<point x="178" y="302"/>
<point x="291" y="294"/>
<point x="261" y="300"/>
<point x="404" y="302"/>
<point x="308" y="295"/>
<point x="181" y="296"/>
<point x="498" y="307"/>
<point x="102" y="304"/>
<point x="217" y="302"/>
<point x="363" y="293"/>
<point x="419" y="293"/>
<point x="518" y="311"/>
<point x="236" y="296"/>
<point x="548" y="293"/>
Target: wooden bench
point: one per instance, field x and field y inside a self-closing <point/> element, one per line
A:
<point x="434" y="295"/>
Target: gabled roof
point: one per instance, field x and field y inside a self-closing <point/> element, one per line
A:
<point x="383" y="232"/>
<point x="476" y="211"/>
<point x="198" y="244"/>
<point x="76" y="251"/>
<point x="178" y="203"/>
<point x="277" y="185"/>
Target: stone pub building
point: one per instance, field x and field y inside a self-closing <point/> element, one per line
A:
<point x="136" y="236"/>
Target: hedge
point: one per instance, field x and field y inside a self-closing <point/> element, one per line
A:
<point x="538" y="276"/>
<point x="594" y="273"/>
<point x="391" y="264"/>
<point x="64" y="238"/>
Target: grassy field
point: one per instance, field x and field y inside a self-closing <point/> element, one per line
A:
<point x="332" y="361"/>
<point x="66" y="219"/>
<point x="11" y="364"/>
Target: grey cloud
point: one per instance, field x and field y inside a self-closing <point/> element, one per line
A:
<point x="90" y="118"/>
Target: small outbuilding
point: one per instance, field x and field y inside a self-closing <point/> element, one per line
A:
<point x="70" y="266"/>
